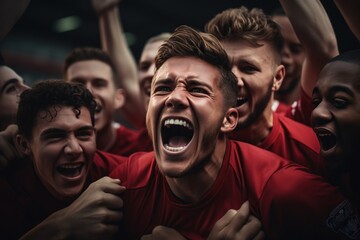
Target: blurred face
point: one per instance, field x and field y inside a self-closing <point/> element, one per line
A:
<point x="62" y="150"/>
<point x="11" y="86"/>
<point x="147" y="69"/>
<point x="336" y="117"/>
<point x="293" y="55"/>
<point x="98" y="79"/>
<point x="257" y="75"/>
<point x="185" y="114"/>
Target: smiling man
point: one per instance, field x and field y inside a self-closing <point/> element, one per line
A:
<point x="195" y="174"/>
<point x="336" y="121"/>
<point x="57" y="136"/>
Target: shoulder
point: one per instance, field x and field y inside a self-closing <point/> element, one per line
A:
<point x="299" y="132"/>
<point x="137" y="170"/>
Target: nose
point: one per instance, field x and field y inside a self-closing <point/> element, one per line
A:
<point x="320" y="115"/>
<point x="237" y="73"/>
<point x="73" y="147"/>
<point x="177" y="99"/>
<point x="286" y="56"/>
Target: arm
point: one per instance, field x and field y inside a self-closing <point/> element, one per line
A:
<point x="94" y="215"/>
<point x="350" y="11"/>
<point x="114" y="42"/>
<point x="9" y="154"/>
<point x="315" y="32"/>
<point x="10" y="12"/>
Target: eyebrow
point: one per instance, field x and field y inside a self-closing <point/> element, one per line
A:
<point x="8" y="82"/>
<point x="59" y="130"/>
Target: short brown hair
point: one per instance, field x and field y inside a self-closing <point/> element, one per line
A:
<point x="252" y="26"/>
<point x="187" y="42"/>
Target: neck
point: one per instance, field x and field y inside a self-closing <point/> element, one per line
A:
<point x="106" y="138"/>
<point x="290" y="96"/>
<point x="193" y="186"/>
<point x="257" y="131"/>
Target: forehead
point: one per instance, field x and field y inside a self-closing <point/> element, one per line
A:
<point x="188" y="68"/>
<point x="7" y="73"/>
<point x="150" y="50"/>
<point x="243" y="50"/>
<point x="340" y="73"/>
<point x="65" y="118"/>
<point x="94" y="68"/>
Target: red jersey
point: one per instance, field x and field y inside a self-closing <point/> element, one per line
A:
<point x="130" y="141"/>
<point x="293" y="141"/>
<point x="289" y="201"/>
<point x="299" y="111"/>
<point x="25" y="202"/>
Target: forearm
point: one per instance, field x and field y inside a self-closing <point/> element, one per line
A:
<point x="114" y="42"/>
<point x="350" y="11"/>
<point x="47" y="229"/>
<point x="316" y="34"/>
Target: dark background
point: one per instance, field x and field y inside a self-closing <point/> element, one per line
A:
<point x="36" y="51"/>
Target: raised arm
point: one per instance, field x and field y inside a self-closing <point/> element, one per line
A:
<point x="315" y="32"/>
<point x="350" y="11"/>
<point x="114" y="42"/>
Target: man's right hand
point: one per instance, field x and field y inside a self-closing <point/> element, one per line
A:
<point x="95" y="214"/>
<point x="238" y="224"/>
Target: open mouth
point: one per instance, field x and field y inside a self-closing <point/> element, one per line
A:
<point x="240" y="101"/>
<point x="326" y="138"/>
<point x="70" y="170"/>
<point x="176" y="134"/>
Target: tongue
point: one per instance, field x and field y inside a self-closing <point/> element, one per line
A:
<point x="177" y="141"/>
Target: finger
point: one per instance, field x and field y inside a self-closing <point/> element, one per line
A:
<point x="146" y="237"/>
<point x="260" y="236"/>
<point x="113" y="216"/>
<point x="112" y="201"/>
<point x="224" y="220"/>
<point x="250" y="229"/>
<point x="109" y="230"/>
<point x="240" y="218"/>
<point x="162" y="232"/>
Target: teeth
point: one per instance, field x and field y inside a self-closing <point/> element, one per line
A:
<point x="178" y="122"/>
<point x="174" y="149"/>
<point x="70" y="166"/>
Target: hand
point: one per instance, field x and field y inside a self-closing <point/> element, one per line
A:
<point x="238" y="224"/>
<point x="102" y="5"/>
<point x="163" y="233"/>
<point x="95" y="214"/>
<point x="9" y="153"/>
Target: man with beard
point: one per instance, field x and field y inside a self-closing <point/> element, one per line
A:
<point x="336" y="121"/>
<point x="253" y="43"/>
<point x="196" y="174"/>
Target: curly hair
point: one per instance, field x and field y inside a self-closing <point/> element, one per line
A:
<point x="49" y="96"/>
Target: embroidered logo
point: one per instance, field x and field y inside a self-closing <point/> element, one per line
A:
<point x="344" y="219"/>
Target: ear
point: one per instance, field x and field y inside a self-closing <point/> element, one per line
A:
<point x="23" y="145"/>
<point x="230" y="120"/>
<point x="120" y="97"/>
<point x="279" y="77"/>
